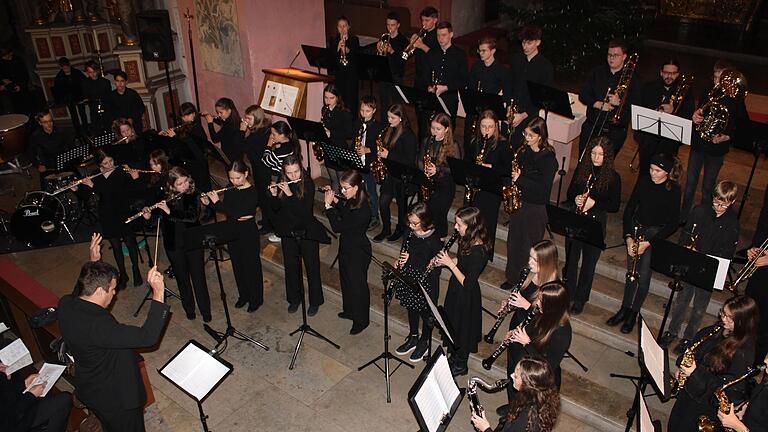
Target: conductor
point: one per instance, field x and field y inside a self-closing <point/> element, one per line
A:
<point x="108" y="380"/>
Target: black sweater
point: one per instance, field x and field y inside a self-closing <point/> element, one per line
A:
<point x="652" y="204"/>
<point x="714" y="235"/>
<point x="490" y="79"/>
<point x="537" y="172"/>
<point x="127" y="105"/>
<point x="596" y="87"/>
<point x="228" y="137"/>
<point x="539" y="70"/>
<point x="236" y="203"/>
<point x="606" y="201"/>
<point x="294" y="216"/>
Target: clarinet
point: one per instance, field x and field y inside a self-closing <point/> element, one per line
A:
<point x="508" y="308"/>
<point x="446" y="247"/>
<point x="488" y="363"/>
<point x="476" y="382"/>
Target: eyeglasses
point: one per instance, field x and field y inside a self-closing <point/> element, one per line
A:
<point x="720" y="204"/>
<point x="345" y="189"/>
<point x="723" y="314"/>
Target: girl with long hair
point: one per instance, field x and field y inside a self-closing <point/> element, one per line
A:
<point x="653" y="212"/>
<point x="723" y="356"/>
<point x="239" y="205"/>
<point x="419" y="247"/>
<point x="401" y="146"/>
<point x="228" y="120"/>
<point x="252" y="138"/>
<point x="536" y="405"/>
<point x="129" y="147"/>
<point x="463" y="307"/>
<point x="176" y="216"/>
<point x="439" y="146"/>
<point x="595" y="191"/>
<point x="538" y="165"/>
<point x="337" y="121"/>
<point x="350" y="218"/>
<point x="193" y="152"/>
<point x="282" y="143"/>
<point x="345" y="45"/>
<point x="300" y="233"/>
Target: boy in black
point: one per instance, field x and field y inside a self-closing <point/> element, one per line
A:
<point x="393" y="50"/>
<point x="447" y="68"/>
<point x="368" y="130"/>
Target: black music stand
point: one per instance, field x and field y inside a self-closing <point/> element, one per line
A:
<point x="319" y="57"/>
<point x="406" y="173"/>
<point x="684" y="265"/>
<point x="213" y="237"/>
<point x="583" y="228"/>
<point x="756" y="134"/>
<point x="75" y="154"/>
<point x="309" y="131"/>
<point x="341" y="158"/>
<point x="476" y="101"/>
<point x="550" y="99"/>
<point x="372" y="67"/>
<point x="104" y="139"/>
<point x="388" y="276"/>
<point x="472" y="175"/>
<point x="196" y="371"/>
<point x="421" y="99"/>
<point x="424" y="405"/>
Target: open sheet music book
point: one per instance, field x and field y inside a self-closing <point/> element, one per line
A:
<point x="48" y="374"/>
<point x="435" y="396"/>
<point x="195" y="370"/>
<point x="15" y="356"/>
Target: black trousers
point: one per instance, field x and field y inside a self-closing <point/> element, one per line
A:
<point x="392" y="188"/>
<point x="53" y="412"/>
<point x="189" y="268"/>
<point x="526" y="227"/>
<point x="756" y="288"/>
<point x="579" y="280"/>
<point x="246" y="262"/>
<point x="130" y="420"/>
<point x="488" y="203"/>
<point x="440" y="203"/>
<point x="133" y="252"/>
<point x="636" y="292"/>
<point x="294" y="252"/>
<point x="353" y="273"/>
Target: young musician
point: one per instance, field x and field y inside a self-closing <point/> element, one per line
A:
<point x="491" y="151"/>
<point x="422" y="46"/>
<point x="447" y="68"/>
<point x="125" y="102"/>
<point x="602" y="104"/>
<point x="239" y="205"/>
<point x="113" y="187"/>
<point x="67" y="90"/>
<point x="350" y="218"/>
<point x="709" y="155"/>
<point x="419" y="247"/>
<point x="194" y="145"/>
<point x="753" y="416"/>
<point x="712" y="229"/>
<point x="180" y="211"/>
<point x="300" y="233"/>
<point x="536" y="405"/>
<point x="129" y="147"/>
<point x="253" y="138"/>
<point x="368" y="130"/>
<point x="437" y="149"/>
<point x="96" y="90"/>
<point x="463" y="307"/>
<point x="538" y="165"/>
<point x="393" y="46"/>
<point x="595" y="191"/>
<point x="337" y="121"/>
<point x="154" y="184"/>
<point x="282" y="143"/>
<point x="228" y="120"/>
<point x="723" y="356"/>
<point x="653" y="212"/>
<point x="345" y="46"/>
<point x="757" y="283"/>
<point x="400" y="146"/>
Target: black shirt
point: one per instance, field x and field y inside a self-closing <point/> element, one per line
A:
<point x="237" y="203"/>
<point x="420" y="57"/>
<point x="127" y="105"/>
<point x="756" y="417"/>
<point x="537" y="172"/>
<point x="339" y="122"/>
<point x="406" y="147"/>
<point x="98" y="89"/>
<point x="449" y="67"/>
<point x="353" y="44"/>
<point x="228" y="137"/>
<point x="47" y="146"/>
<point x="294" y="214"/>
<point x="538" y="69"/>
<point x="608" y="200"/>
<point x="490" y="79"/>
<point x="653" y="92"/>
<point x="737" y="112"/>
<point x="67" y="89"/>
<point x="714" y="235"/>
<point x="596" y="87"/>
<point x="652" y="204"/>
<point x="396" y="62"/>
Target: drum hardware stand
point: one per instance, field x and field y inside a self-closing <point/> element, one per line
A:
<point x="16" y="167"/>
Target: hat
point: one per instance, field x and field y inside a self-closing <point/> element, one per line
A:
<point x="663" y="161"/>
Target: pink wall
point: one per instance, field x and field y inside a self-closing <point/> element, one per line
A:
<point x="269" y="37"/>
<point x="415" y="6"/>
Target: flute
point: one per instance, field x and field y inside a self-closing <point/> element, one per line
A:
<point x="79" y="182"/>
<point x="127" y="168"/>
<point x="218" y="191"/>
<point x="338" y="196"/>
<point x="152" y="207"/>
<point x="272" y="186"/>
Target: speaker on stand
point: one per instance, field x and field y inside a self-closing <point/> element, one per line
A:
<point x="156" y="42"/>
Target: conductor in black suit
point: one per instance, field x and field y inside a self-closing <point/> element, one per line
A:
<point x="108" y="380"/>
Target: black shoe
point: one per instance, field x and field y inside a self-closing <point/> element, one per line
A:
<point x="137" y="279"/>
<point x="312" y="311"/>
<point x="358" y="328"/>
<point x="396" y="235"/>
<point x="381" y="236"/>
<point x="191" y="316"/>
<point x="122" y="282"/>
<point x="681" y="346"/>
<point x="344" y="315"/>
<point x="459" y="369"/>
<point x="409" y="345"/>
<point x="502" y="411"/>
<point x="373" y="223"/>
<point x="293" y="308"/>
<point x="577" y="308"/>
<point x="629" y="324"/>
<point x="418" y="353"/>
<point x="240" y="303"/>
<point x="666" y="339"/>
<point x="618" y="317"/>
<point x="253" y="307"/>
<point x="207" y="317"/>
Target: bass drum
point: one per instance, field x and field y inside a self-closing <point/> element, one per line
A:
<point x="13" y="136"/>
<point x="38" y="219"/>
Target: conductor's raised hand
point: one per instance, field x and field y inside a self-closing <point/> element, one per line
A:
<point x="155" y="280"/>
<point x="94" y="250"/>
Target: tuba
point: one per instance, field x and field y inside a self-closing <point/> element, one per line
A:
<point x="732" y="84"/>
<point x="378" y="169"/>
<point x="511" y="197"/>
<point x="688" y="359"/>
<point x="622" y="88"/>
<point x="723" y="402"/>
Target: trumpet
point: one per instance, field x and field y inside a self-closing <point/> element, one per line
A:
<point x="693" y="237"/>
<point x="343" y="51"/>
<point x="633" y="275"/>
<point x="337" y="195"/>
<point x="748" y="270"/>
<point x="383" y="49"/>
<point x="411" y="48"/>
<point x="533" y="312"/>
<point x="508" y="308"/>
<point x="218" y="191"/>
<point x="586" y="193"/>
<point x="152" y="207"/>
<point x="272" y="186"/>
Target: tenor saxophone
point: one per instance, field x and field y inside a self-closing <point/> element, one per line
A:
<point x="378" y="169"/>
<point x="510" y="194"/>
<point x="723" y="402"/>
<point x="688" y="359"/>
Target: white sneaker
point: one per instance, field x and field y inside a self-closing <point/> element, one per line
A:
<point x="274" y="239"/>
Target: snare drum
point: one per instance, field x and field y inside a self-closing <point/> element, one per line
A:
<point x="38" y="219"/>
<point x="13" y="136"/>
<point x="53" y="182"/>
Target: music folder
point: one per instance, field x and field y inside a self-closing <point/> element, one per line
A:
<point x="196" y="370"/>
<point x="435" y="397"/>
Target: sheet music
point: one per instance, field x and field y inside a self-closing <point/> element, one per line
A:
<point x="3" y="327"/>
<point x="195" y="371"/>
<point x="442" y="104"/>
<point x="49" y="374"/>
<point x="722" y="271"/>
<point x="279" y="97"/>
<point x="15" y="356"/>
<point x="646" y="424"/>
<point x="435" y="312"/>
<point x="437" y="395"/>
<point x="402" y="95"/>
<point x="653" y="355"/>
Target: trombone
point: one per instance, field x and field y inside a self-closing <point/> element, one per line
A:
<point x="748" y="270"/>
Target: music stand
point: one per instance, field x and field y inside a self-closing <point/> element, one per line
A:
<point x="406" y="173"/>
<point x="550" y="99"/>
<point x="756" y="134"/>
<point x="434" y="397"/>
<point x="104" y="139"/>
<point x="196" y="371"/>
<point x="421" y="99"/>
<point x="341" y="158"/>
<point x="319" y="57"/>
<point x="309" y="131"/>
<point x="212" y="237"/>
<point x="583" y="228"/>
<point x="476" y="101"/>
<point x="472" y="175"/>
<point x="684" y="265"/>
<point x="660" y="124"/>
<point x="388" y="276"/>
<point x="78" y="153"/>
<point x="371" y="67"/>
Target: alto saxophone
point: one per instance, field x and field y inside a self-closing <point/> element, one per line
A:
<point x="359" y="139"/>
<point x="533" y="312"/>
<point x="633" y="275"/>
<point x="378" y="169"/>
<point x="472" y="386"/>
<point x="508" y="309"/>
<point x="426" y="189"/>
<point x="622" y="88"/>
<point x="510" y="194"/>
<point x="469" y="194"/>
<point x="688" y="359"/>
<point x="723" y="402"/>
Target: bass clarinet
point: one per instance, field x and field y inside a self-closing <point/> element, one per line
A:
<point x="476" y="382"/>
<point x="532" y="313"/>
<point x="508" y="308"/>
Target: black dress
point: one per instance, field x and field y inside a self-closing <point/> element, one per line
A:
<point x="463" y="307"/>
<point x="127" y="105"/>
<point x="403" y="151"/>
<point x="227" y="136"/>
<point x="195" y="160"/>
<point x="300" y="235"/>
<point x="443" y="190"/>
<point x="245" y="249"/>
<point x="420" y="250"/>
<point x="254" y="146"/>
<point x="354" y="258"/>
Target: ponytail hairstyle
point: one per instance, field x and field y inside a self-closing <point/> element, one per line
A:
<point x="227" y="103"/>
<point x="354" y="178"/>
<point x="293" y="160"/>
<point x="476" y="233"/>
<point x="284" y="129"/>
<point x="239" y="166"/>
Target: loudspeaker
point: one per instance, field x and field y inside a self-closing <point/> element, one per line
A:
<point x="155" y="37"/>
